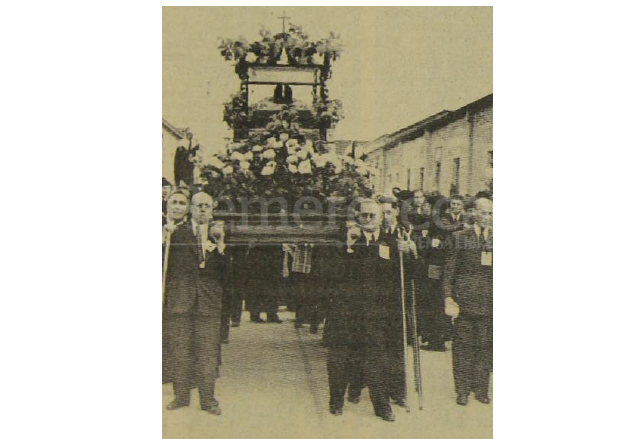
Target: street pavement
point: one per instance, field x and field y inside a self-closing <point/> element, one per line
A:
<point x="274" y="384"/>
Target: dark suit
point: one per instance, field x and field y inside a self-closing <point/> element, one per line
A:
<point x="432" y="243"/>
<point x="365" y="325"/>
<point x="469" y="282"/>
<point x="192" y="315"/>
<point x="263" y="265"/>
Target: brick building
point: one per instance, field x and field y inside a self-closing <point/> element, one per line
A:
<point x="450" y="152"/>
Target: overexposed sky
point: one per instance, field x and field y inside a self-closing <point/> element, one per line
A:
<point x="399" y="65"/>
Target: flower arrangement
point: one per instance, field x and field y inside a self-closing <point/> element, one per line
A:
<point x="328" y="112"/>
<point x="283" y="163"/>
<point x="268" y="50"/>
<point x="235" y="111"/>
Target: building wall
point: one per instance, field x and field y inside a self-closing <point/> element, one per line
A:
<point x="468" y="138"/>
<point x="483" y="146"/>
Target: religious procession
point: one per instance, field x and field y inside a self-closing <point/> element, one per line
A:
<point x="288" y="230"/>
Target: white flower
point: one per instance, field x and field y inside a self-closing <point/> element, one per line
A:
<point x="292" y="142"/>
<point x="302" y="154"/>
<point x="304" y="167"/>
<point x="271" y="164"/>
<point x="227" y="170"/>
<point x="359" y="163"/>
<point x="320" y="160"/>
<point x="236" y="155"/>
<point x="278" y="145"/>
<point x="292" y="159"/>
<point x="333" y="158"/>
<point x="348" y="160"/>
<point x="244" y="165"/>
<point x="248" y="156"/>
<point x="292" y="168"/>
<point x="284" y="136"/>
<point x="271" y="141"/>
<point x="269" y="154"/>
<point x="268" y="170"/>
<point x="257" y="148"/>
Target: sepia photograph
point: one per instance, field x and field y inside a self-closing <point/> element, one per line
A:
<point x="327" y="205"/>
<point x="327" y="221"/>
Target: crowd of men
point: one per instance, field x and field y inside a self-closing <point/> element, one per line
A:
<point x="442" y="247"/>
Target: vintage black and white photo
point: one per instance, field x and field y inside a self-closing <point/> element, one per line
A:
<point x="327" y="238"/>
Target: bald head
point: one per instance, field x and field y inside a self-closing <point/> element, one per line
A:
<point x="483" y="212"/>
<point x="202" y="207"/>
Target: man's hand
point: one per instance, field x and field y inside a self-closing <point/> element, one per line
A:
<point x="169" y="227"/>
<point x="451" y="308"/>
<point x="405" y="245"/>
<point x="217" y="232"/>
<point x="352" y="235"/>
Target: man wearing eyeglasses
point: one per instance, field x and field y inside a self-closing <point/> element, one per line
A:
<point x="193" y="299"/>
<point x="363" y="331"/>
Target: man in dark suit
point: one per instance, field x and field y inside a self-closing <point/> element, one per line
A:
<point x="433" y="239"/>
<point x="391" y="233"/>
<point x="362" y="326"/>
<point x="193" y="299"/>
<point x="454" y="218"/>
<point x="468" y="291"/>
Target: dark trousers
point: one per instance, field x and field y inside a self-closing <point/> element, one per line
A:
<point x="375" y="375"/>
<point x="472" y="354"/>
<point x="345" y="371"/>
<point x="231" y="310"/>
<point x="396" y="372"/>
<point x="432" y="323"/>
<point x="194" y="352"/>
<point x="261" y="295"/>
<point x="309" y="298"/>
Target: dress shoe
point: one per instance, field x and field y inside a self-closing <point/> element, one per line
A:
<point x="354" y="399"/>
<point x="400" y="402"/>
<point x="275" y="320"/>
<point x="336" y="411"/>
<point x="258" y="320"/>
<point x="174" y="405"/>
<point x="482" y="398"/>
<point x="461" y="399"/>
<point x="216" y="410"/>
<point x="387" y="416"/>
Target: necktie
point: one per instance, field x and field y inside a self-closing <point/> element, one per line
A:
<point x="200" y="253"/>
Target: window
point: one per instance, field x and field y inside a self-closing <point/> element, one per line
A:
<point x="437" y="173"/>
<point x="422" y="179"/>
<point x="490" y="159"/>
<point x="454" y="190"/>
<point x="409" y="182"/>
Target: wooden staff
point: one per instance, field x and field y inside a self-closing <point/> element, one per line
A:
<point x="166" y="251"/>
<point x="405" y="334"/>
<point x="415" y="348"/>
